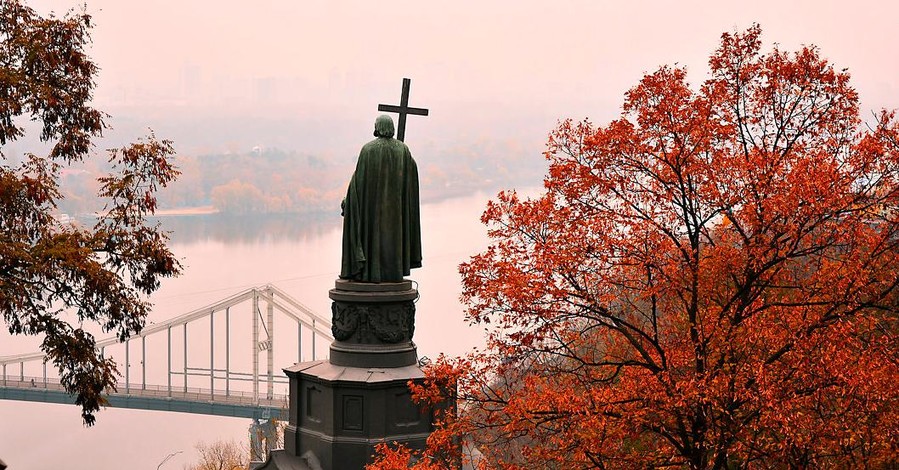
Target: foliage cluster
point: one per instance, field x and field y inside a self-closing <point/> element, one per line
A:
<point x="708" y="281"/>
<point x="51" y="272"/>
<point x="221" y="455"/>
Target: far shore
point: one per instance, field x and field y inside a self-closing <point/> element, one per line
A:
<point x="427" y="197"/>
<point x="176" y="211"/>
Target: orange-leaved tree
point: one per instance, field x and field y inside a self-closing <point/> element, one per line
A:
<point x="709" y="281"/>
<point x="55" y="276"/>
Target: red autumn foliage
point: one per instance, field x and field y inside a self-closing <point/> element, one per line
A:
<point x="709" y="281"/>
<point x="56" y="278"/>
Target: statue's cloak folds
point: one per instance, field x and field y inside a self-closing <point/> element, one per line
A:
<point x="381" y="224"/>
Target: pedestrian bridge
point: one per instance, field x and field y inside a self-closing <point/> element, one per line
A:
<point x="216" y="360"/>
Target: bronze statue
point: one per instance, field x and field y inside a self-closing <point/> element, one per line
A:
<point x="381" y="224"/>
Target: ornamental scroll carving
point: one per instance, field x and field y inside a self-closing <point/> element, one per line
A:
<point x="344" y="320"/>
<point x="389" y="323"/>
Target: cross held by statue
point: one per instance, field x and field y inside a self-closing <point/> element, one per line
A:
<point x="403" y="109"/>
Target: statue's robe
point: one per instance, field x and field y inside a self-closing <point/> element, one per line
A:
<point x="381" y="224"/>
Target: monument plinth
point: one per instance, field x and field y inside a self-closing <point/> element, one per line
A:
<point x="342" y="407"/>
<point x="373" y="324"/>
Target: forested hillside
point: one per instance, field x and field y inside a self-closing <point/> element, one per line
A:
<point x="275" y="181"/>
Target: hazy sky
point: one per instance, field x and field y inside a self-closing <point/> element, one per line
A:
<point x="484" y="66"/>
<point x="486" y="69"/>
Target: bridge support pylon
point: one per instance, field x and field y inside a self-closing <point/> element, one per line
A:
<point x="263" y="437"/>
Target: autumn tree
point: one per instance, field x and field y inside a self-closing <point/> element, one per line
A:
<point x="237" y="197"/>
<point x="709" y="281"/>
<point x="221" y="455"/>
<point x="55" y="278"/>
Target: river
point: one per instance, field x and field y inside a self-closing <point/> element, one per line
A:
<point x="223" y="256"/>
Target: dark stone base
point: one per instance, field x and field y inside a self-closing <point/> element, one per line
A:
<point x="373" y="356"/>
<point x="373" y="324"/>
<point x="338" y="414"/>
<point x="341" y="408"/>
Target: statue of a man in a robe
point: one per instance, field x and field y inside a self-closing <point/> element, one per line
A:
<point x="381" y="222"/>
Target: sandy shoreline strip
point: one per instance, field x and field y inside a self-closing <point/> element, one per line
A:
<point x="198" y="210"/>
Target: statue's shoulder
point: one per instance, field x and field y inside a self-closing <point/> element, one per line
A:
<point x="399" y="145"/>
<point x="370" y="145"/>
<point x="380" y="144"/>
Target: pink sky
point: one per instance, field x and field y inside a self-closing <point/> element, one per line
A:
<point x="546" y="59"/>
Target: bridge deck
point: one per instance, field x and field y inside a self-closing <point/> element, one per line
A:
<point x="152" y="397"/>
<point x="257" y="306"/>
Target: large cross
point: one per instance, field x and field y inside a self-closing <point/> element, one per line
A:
<point x="403" y="109"/>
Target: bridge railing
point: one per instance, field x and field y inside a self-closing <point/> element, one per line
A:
<point x="159" y="391"/>
<point x="270" y="297"/>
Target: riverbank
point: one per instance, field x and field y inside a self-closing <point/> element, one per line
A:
<point x="184" y="211"/>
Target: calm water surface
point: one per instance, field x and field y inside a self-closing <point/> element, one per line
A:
<point x="223" y="257"/>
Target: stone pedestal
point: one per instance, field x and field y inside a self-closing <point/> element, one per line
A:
<point x="342" y="407"/>
<point x="373" y="324"/>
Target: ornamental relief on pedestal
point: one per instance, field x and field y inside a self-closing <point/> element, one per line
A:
<point x="373" y="323"/>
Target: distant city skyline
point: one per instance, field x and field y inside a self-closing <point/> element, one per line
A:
<point x="221" y="77"/>
<point x="559" y="59"/>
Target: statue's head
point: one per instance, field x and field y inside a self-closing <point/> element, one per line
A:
<point x="384" y="126"/>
